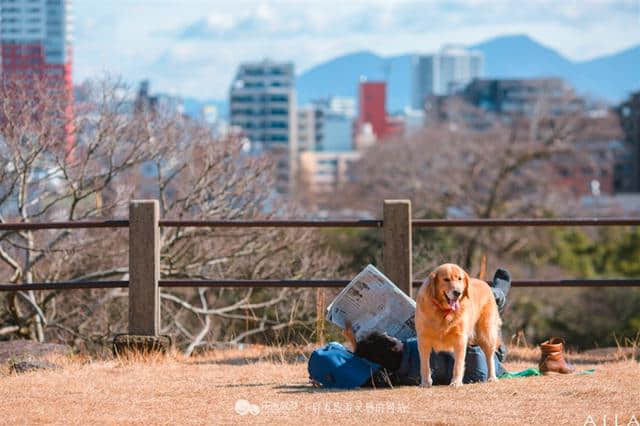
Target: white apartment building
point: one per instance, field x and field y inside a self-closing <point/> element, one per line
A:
<point x="444" y="73"/>
<point x="263" y="107"/>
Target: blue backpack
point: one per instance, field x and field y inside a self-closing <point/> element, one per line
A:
<point x="334" y="366"/>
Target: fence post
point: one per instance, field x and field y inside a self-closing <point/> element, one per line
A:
<point x="144" y="268"/>
<point x="396" y="254"/>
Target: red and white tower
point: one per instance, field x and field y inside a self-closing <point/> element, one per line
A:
<point x="35" y="43"/>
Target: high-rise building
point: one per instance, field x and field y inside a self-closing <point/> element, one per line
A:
<point x="326" y="125"/>
<point x="547" y="96"/>
<point x="310" y="121"/>
<point x="337" y="132"/>
<point x="443" y="73"/>
<point x="627" y="173"/>
<point x="338" y="105"/>
<point x="372" y="97"/>
<point x="145" y="102"/>
<point x="263" y="106"/>
<point x="35" y="43"/>
<point x="372" y="112"/>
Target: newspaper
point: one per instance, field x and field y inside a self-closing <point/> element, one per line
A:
<point x="371" y="302"/>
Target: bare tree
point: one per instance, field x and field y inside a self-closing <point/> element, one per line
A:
<point x="119" y="154"/>
<point x="468" y="164"/>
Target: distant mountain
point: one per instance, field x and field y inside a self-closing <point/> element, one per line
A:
<point x="520" y="56"/>
<point x="613" y="76"/>
<point x="609" y="77"/>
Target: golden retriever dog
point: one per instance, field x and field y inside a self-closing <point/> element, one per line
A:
<point x="454" y="310"/>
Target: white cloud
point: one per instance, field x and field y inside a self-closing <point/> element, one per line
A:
<point x="221" y="21"/>
<point x="194" y="46"/>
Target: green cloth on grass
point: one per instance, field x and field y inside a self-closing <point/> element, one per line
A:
<point x="529" y="372"/>
<point x="524" y="373"/>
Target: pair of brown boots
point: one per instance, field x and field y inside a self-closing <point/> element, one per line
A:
<point x="552" y="358"/>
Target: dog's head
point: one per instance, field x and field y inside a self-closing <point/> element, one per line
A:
<point x="448" y="284"/>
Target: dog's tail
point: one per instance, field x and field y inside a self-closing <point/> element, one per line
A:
<point x="483" y="268"/>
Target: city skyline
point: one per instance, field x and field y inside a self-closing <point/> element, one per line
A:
<point x="195" y="49"/>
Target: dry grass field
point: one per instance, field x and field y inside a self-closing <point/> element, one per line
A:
<point x="273" y="382"/>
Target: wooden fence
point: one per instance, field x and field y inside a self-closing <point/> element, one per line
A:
<point x="144" y="254"/>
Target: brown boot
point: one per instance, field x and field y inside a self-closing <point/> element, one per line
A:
<point x="552" y="359"/>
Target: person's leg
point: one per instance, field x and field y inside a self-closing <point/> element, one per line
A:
<point x="500" y="286"/>
<point x="476" y="369"/>
<point x="441" y="367"/>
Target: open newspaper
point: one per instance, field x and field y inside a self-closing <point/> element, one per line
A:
<point x="371" y="302"/>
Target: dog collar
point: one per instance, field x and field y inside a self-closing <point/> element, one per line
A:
<point x="445" y="312"/>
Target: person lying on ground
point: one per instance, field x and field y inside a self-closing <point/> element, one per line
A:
<point x="380" y="360"/>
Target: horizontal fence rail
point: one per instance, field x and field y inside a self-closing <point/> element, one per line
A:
<point x="418" y="223"/>
<point x="85" y="285"/>
<point x="355" y="223"/>
<point x="86" y="224"/>
<point x="65" y="285"/>
<point x="374" y="223"/>
<point x="612" y="221"/>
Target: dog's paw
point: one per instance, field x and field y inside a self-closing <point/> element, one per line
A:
<point x="456" y="383"/>
<point x="426" y="383"/>
<point x="492" y="379"/>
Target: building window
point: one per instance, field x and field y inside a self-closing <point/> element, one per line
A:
<point x="254" y="71"/>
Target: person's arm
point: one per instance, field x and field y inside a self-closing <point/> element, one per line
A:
<point x="349" y="336"/>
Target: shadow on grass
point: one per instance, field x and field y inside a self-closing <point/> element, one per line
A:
<point x="251" y="360"/>
<point x="308" y="388"/>
<point x="246" y="385"/>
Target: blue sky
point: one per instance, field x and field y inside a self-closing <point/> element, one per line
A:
<point x="192" y="47"/>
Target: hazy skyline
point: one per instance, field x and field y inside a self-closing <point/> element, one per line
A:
<point x="192" y="47"/>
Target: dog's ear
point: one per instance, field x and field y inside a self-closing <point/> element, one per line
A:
<point x="430" y="282"/>
<point x="467" y="287"/>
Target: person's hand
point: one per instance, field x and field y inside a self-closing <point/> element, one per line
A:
<point x="349" y="336"/>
